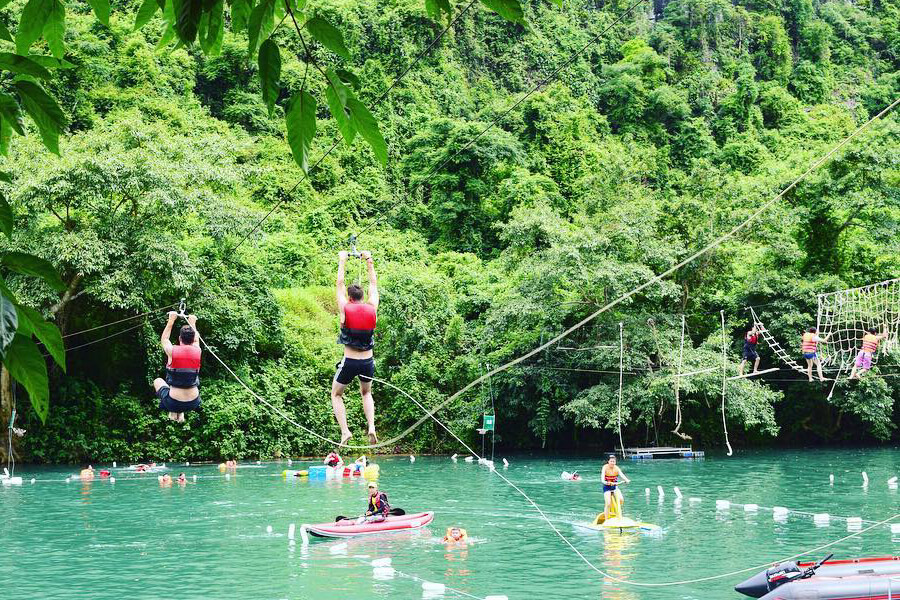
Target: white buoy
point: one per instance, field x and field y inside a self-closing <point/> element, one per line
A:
<point x="892" y="481"/>
<point x="412" y="458"/>
<point x="751" y="507"/>
<point x="677" y="492"/>
<point x="32" y="480"/>
<point x="854" y="523"/>
<point x="195" y="478"/>
<point x="431" y="586"/>
<point x="291" y="531"/>
<point x="114" y="464"/>
<point x="659" y="490"/>
<point x="496" y="598"/>
<point x="831" y="479"/>
<point x="383" y="573"/>
<point x="304" y="536"/>
<point x="723" y="504"/>
<point x="11" y="481"/>
<point x="227" y="476"/>
<point x="646" y="491"/>
<point x="694" y="500"/>
<point x="779" y="510"/>
<point x="865" y="479"/>
<point x="268" y="529"/>
<point x="290" y="462"/>
<point x="68" y="479"/>
<point x="470" y="458"/>
<point x="895" y="528"/>
<point x="381" y="562"/>
<point x="821" y="519"/>
<point x="453" y="458"/>
<point x="259" y="462"/>
<point x="112" y="479"/>
<point x="505" y="463"/>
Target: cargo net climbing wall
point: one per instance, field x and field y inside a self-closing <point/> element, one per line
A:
<point x="847" y="315"/>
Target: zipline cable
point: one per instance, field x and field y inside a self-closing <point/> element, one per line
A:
<point x="146" y="314"/>
<point x="621" y="365"/>
<point x="724" y="381"/>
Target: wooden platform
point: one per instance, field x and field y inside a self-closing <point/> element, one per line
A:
<point x="661" y="452"/>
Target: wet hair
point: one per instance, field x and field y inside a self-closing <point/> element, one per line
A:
<point x="873" y="330"/>
<point x="186" y="335"/>
<point x="611" y="457"/>
<point x="355" y="292"/>
<point x="811" y="330"/>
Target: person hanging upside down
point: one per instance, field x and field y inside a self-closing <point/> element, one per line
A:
<point x="810" y="347"/>
<point x="180" y="391"/>
<point x="869" y="346"/>
<point x="611" y="474"/>
<point x="378" y="508"/>
<point x="751" y="339"/>
<point x="358" y="338"/>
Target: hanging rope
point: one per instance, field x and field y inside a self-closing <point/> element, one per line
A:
<point x="621" y="368"/>
<point x="677" y="430"/>
<point x="724" y="381"/>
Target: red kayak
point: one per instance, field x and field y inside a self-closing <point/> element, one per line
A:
<point x="349" y="528"/>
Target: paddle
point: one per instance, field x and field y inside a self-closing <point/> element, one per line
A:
<point x="394" y="512"/>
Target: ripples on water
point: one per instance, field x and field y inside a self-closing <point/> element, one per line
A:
<point x="135" y="540"/>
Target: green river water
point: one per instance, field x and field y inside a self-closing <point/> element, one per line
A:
<point x="133" y="539"/>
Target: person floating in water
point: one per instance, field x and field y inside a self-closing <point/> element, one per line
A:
<point x="378" y="508"/>
<point x="455" y="535"/>
<point x="611" y="474"/>
<point x="165" y="480"/>
<point x="810" y="347"/>
<point x="180" y="391"/>
<point x="87" y="474"/>
<point x="358" y="338"/>
<point x="751" y="339"/>
<point x="869" y="346"/>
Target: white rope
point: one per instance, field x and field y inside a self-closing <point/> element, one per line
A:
<point x="621" y="366"/>
<point x="724" y="381"/>
<point x="678" y="376"/>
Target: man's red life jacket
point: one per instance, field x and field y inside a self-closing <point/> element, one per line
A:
<point x="358" y="329"/>
<point x="183" y="370"/>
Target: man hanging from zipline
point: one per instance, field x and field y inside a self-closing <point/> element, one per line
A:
<point x="358" y="338"/>
<point x="179" y="392"/>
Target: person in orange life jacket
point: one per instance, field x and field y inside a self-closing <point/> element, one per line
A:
<point x="810" y="346"/>
<point x="179" y="392"/>
<point x="358" y="338"/>
<point x="750" y="353"/>
<point x="378" y="508"/>
<point x="611" y="474"/>
<point x="869" y="346"/>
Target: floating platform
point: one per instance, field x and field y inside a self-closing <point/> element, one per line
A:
<point x="661" y="452"/>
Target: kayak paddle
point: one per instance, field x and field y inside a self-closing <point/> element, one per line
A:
<point x="394" y="512"/>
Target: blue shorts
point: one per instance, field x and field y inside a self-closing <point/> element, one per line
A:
<point x="609" y="488"/>
<point x="169" y="404"/>
<point x="809" y="355"/>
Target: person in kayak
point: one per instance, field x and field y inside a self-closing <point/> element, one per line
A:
<point x="810" y="347"/>
<point x="611" y="474"/>
<point x="357" y="319"/>
<point x="378" y="508"/>
<point x="869" y="346"/>
<point x="179" y="392"/>
<point x="751" y="339"/>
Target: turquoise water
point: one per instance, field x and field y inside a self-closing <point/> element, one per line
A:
<point x="133" y="539"/>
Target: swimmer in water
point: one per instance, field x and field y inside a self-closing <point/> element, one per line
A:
<point x="165" y="480"/>
<point x="87" y="474"/>
<point x="455" y="535"/>
<point x="182" y="480"/>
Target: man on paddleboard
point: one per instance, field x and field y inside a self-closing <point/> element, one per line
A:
<point x="358" y="338"/>
<point x="611" y="474"/>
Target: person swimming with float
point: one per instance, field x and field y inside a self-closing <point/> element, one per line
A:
<point x="455" y="535"/>
<point x="611" y="474"/>
<point x="378" y="508"/>
<point x="179" y="392"/>
<point x="358" y="319"/>
<point x="869" y="347"/>
<point x="809" y="344"/>
<point x="87" y="474"/>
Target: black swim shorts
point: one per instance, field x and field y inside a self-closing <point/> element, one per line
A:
<point x="169" y="404"/>
<point x="750" y="354"/>
<point x="349" y="368"/>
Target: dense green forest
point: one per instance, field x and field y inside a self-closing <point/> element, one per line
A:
<point x="675" y="126"/>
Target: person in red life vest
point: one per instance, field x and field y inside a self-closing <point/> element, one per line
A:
<point x="358" y="338"/>
<point x="810" y="348"/>
<point x="751" y="339"/>
<point x="869" y="346"/>
<point x="378" y="508"/>
<point x="611" y="474"/>
<point x="334" y="460"/>
<point x="179" y="392"/>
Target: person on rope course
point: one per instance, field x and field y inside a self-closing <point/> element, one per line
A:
<point x="611" y="474"/>
<point x="869" y="346"/>
<point x="378" y="508"/>
<point x="810" y="347"/>
<point x="179" y="392"/>
<point x="357" y="319"/>
<point x="751" y="339"/>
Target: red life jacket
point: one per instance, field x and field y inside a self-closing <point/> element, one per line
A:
<point x="610" y="479"/>
<point x="183" y="370"/>
<point x="358" y="329"/>
<point x="379" y="504"/>
<point x="752" y="339"/>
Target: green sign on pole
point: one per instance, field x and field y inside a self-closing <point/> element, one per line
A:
<point x="488" y="423"/>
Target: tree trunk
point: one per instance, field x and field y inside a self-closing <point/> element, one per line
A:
<point x="6" y="406"/>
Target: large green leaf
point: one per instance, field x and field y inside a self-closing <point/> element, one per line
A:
<point x="145" y="13"/>
<point x="5" y="33"/>
<point x="5" y="136"/>
<point x="511" y="10"/>
<point x="349" y="78"/>
<point x="55" y="29"/>
<point x="101" y="9"/>
<point x="48" y="62"/>
<point x="9" y="323"/>
<point x="187" y="19"/>
<point x="213" y="32"/>
<point x="367" y="126"/>
<point x="301" y="127"/>
<point x="31" y="23"/>
<point x="261" y="24"/>
<point x="12" y="113"/>
<point x="434" y="8"/>
<point x="6" y="217"/>
<point x="45" y="112"/>
<point x="336" y="94"/>
<point x="328" y="35"/>
<point x="269" y="62"/>
<point x="26" y="365"/>
<point x="28" y="264"/>
<point x="20" y="64"/>
<point x="46" y="332"/>
<point x="240" y="14"/>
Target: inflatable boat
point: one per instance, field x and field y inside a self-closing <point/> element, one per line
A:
<point x="853" y="579"/>
<point x="349" y="527"/>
